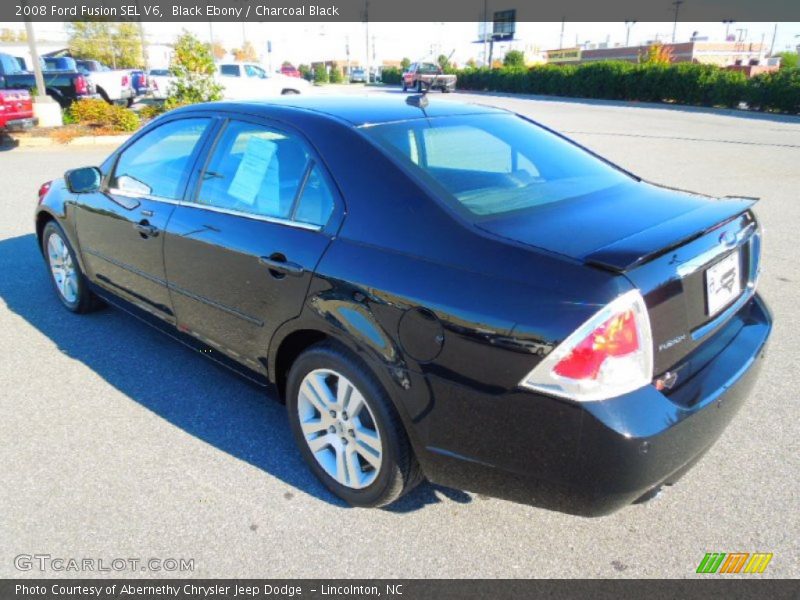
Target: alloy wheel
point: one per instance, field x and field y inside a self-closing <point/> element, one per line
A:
<point x="63" y="270"/>
<point x="339" y="428"/>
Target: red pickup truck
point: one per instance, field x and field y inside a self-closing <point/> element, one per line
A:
<point x="16" y="110"/>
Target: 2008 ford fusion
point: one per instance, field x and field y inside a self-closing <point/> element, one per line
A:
<point x="438" y="291"/>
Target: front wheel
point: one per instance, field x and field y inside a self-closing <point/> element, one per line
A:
<point x="419" y="86"/>
<point x="405" y="86"/>
<point x="347" y="428"/>
<point x="288" y="92"/>
<point x="65" y="273"/>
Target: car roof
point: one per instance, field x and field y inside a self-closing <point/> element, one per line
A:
<point x="361" y="110"/>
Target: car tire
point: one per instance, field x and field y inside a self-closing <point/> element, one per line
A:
<point x="364" y="458"/>
<point x="289" y="92"/>
<point x="405" y="86"/>
<point x="66" y="276"/>
<point x="419" y="86"/>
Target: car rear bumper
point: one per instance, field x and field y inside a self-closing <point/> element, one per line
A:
<point x="20" y="124"/>
<point x="592" y="458"/>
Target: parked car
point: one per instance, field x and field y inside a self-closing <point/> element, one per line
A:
<point x="475" y="299"/>
<point x="290" y="71"/>
<point x="423" y="76"/>
<point x="16" y="110"/>
<point x="245" y="81"/>
<point x="115" y="86"/>
<point x="358" y="75"/>
<point x="63" y="86"/>
<point x="160" y="81"/>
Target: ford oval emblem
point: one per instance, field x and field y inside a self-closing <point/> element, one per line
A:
<point x="727" y="238"/>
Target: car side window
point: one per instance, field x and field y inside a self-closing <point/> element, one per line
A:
<point x="315" y="205"/>
<point x="229" y="70"/>
<point x="258" y="170"/>
<point x="253" y="71"/>
<point x="157" y="163"/>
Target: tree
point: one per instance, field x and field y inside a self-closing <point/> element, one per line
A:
<point x="193" y="68"/>
<point x="305" y="72"/>
<point x="514" y="58"/>
<point x="789" y="60"/>
<point x="117" y="45"/>
<point x="658" y="54"/>
<point x="472" y="63"/>
<point x="336" y="75"/>
<point x="442" y="61"/>
<point x="246" y="53"/>
<point x="320" y="73"/>
<point x="218" y="51"/>
<point x="405" y="63"/>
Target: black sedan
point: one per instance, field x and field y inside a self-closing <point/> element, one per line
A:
<point x="440" y="291"/>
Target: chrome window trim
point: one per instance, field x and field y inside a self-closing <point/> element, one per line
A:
<point x="226" y="211"/>
<point x="266" y="219"/>
<point x="124" y="194"/>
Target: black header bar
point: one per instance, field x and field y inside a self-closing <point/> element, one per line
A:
<point x="396" y="11"/>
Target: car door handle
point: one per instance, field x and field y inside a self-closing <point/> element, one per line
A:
<point x="146" y="229"/>
<point x="279" y="267"/>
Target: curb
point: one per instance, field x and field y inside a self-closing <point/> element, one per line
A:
<point x="45" y="142"/>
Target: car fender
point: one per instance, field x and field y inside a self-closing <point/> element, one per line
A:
<point x="57" y="206"/>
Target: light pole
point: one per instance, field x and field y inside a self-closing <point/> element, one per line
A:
<point x="44" y="107"/>
<point x="366" y="21"/>
<point x="677" y="5"/>
<point x="727" y="28"/>
<point x="628" y="26"/>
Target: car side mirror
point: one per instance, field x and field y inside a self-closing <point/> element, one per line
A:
<point x="84" y="180"/>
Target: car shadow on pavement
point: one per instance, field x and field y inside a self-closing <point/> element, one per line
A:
<point x="171" y="380"/>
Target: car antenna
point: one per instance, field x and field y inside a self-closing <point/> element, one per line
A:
<point x="421" y="100"/>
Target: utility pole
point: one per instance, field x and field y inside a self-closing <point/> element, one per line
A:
<point x="677" y="5"/>
<point x="41" y="90"/>
<point x="774" y="35"/>
<point x="727" y="28"/>
<point x="561" y="37"/>
<point x="485" y="32"/>
<point x="366" y="21"/>
<point x="628" y="26"/>
<point x="347" y="52"/>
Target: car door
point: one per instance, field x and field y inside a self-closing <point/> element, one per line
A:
<point x="120" y="229"/>
<point x="239" y="258"/>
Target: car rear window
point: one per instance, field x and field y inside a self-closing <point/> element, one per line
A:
<point x="487" y="165"/>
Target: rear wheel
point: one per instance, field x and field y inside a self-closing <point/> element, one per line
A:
<point x="348" y="430"/>
<point x="419" y="86"/>
<point x="65" y="273"/>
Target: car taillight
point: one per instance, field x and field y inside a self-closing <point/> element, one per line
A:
<point x="124" y="81"/>
<point x="609" y="355"/>
<point x="45" y="187"/>
<point x="81" y="87"/>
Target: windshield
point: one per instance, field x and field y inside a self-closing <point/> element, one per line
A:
<point x="488" y="165"/>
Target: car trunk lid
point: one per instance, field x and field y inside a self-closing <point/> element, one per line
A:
<point x="665" y="242"/>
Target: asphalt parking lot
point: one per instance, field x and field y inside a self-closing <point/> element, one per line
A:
<point x="119" y="442"/>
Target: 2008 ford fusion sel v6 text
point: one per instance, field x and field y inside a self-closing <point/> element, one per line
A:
<point x="436" y="290"/>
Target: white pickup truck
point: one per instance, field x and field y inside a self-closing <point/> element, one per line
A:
<point x="114" y="86"/>
<point x="248" y="81"/>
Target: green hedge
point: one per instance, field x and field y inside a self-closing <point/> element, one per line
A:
<point x="682" y="83"/>
<point x="391" y="75"/>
